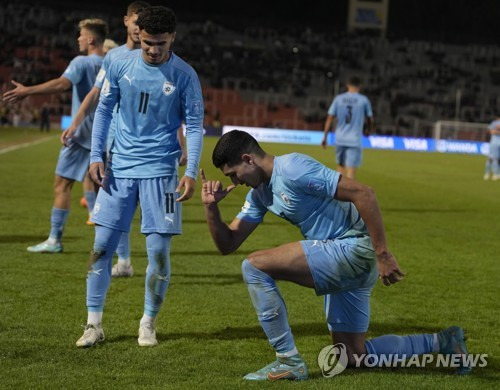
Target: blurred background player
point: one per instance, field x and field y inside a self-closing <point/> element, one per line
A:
<point x="144" y="164"/>
<point x="131" y="48"/>
<point x="493" y="160"/>
<point x="349" y="109"/>
<point x="108" y="45"/>
<point x="74" y="157"/>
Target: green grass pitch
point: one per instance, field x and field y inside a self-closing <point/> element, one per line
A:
<point x="442" y="223"/>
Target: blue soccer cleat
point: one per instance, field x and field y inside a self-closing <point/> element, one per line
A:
<point x="452" y="342"/>
<point x="45" y="247"/>
<point x="291" y="368"/>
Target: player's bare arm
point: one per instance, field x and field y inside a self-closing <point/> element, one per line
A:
<point x="88" y="105"/>
<point x="20" y="91"/>
<point x="366" y="203"/>
<point x="328" y="125"/>
<point x="227" y="238"/>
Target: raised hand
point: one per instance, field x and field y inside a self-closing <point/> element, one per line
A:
<point x="212" y="191"/>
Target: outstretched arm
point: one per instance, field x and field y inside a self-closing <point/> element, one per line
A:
<point x="20" y="91"/>
<point x="227" y="238"/>
<point x="364" y="199"/>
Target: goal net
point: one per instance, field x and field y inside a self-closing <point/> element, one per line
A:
<point x="466" y="131"/>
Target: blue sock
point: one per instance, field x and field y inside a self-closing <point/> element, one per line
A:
<point x="57" y="221"/>
<point x="99" y="273"/>
<point x="123" y="250"/>
<point x="157" y="273"/>
<point x="270" y="307"/>
<point x="487" y="168"/>
<point x="416" y="344"/>
<point x="90" y="197"/>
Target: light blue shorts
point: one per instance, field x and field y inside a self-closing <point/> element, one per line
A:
<point x="494" y="150"/>
<point x="73" y="162"/>
<point x="118" y="198"/>
<point x="348" y="156"/>
<point x="344" y="270"/>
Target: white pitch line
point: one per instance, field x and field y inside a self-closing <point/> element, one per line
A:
<point x="25" y="145"/>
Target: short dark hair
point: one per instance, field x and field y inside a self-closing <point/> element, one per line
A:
<point x="232" y="145"/>
<point x="136" y="7"/>
<point x="355" y="81"/>
<point x="157" y="20"/>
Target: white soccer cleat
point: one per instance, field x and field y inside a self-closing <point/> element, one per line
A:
<point x="486" y="176"/>
<point x="46" y="247"/>
<point x="92" y="335"/>
<point x="121" y="271"/>
<point x="147" y="335"/>
<point x="495" y="177"/>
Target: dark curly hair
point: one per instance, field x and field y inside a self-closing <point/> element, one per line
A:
<point x="157" y="20"/>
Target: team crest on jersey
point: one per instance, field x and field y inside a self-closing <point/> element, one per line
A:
<point x="285" y="198"/>
<point x="168" y="88"/>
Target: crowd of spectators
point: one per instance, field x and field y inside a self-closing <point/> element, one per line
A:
<point x="411" y="83"/>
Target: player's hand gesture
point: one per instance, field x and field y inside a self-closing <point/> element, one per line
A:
<point x="388" y="269"/>
<point x="67" y="134"/>
<point x="212" y="191"/>
<point x="189" y="184"/>
<point x="15" y="94"/>
<point x="96" y="171"/>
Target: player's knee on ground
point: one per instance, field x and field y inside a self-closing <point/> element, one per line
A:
<point x="354" y="346"/>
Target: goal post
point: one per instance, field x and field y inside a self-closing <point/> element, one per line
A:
<point x="465" y="131"/>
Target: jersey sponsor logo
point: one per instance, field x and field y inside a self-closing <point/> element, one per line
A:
<point x="285" y="198"/>
<point x="100" y="75"/>
<point x="316" y="185"/>
<point x="168" y="88"/>
<point x="106" y="88"/>
<point x="128" y="79"/>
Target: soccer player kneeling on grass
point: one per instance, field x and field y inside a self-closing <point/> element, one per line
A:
<point x="343" y="253"/>
<point x="157" y="91"/>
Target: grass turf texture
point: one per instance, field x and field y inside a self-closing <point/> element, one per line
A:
<point x="441" y="220"/>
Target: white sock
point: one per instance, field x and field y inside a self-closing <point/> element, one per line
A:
<point x="52" y="241"/>
<point x="435" y="343"/>
<point x="124" y="262"/>
<point x="94" y="317"/>
<point x="145" y="318"/>
<point x="289" y="353"/>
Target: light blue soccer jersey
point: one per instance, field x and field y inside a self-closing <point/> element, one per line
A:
<point x="154" y="100"/>
<point x="82" y="72"/>
<point x="301" y="190"/>
<point x="350" y="109"/>
<point x="117" y="53"/>
<point x="495" y="138"/>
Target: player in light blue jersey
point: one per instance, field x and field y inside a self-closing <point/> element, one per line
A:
<point x="343" y="253"/>
<point x="350" y="109"/>
<point x="73" y="159"/>
<point x="130" y="49"/>
<point x="493" y="160"/>
<point x="156" y="91"/>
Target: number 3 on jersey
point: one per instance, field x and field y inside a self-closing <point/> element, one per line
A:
<point x="143" y="104"/>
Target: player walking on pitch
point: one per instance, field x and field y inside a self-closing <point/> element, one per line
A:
<point x="156" y="91"/>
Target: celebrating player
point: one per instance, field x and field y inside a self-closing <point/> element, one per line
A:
<point x="343" y="253"/>
<point x="73" y="161"/>
<point x="156" y="91"/>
